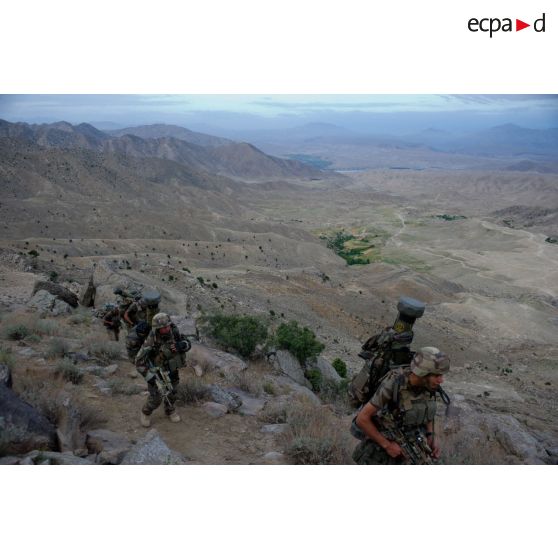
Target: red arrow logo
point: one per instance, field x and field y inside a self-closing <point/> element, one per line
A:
<point x="519" y="25"/>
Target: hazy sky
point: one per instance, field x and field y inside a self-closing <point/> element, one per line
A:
<point x="361" y="113"/>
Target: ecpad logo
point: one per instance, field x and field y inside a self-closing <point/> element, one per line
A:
<point x="493" y="25"/>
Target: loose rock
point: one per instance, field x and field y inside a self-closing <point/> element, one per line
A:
<point x="152" y="450"/>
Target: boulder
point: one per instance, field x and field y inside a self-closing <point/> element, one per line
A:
<point x="152" y="450"/>
<point x="186" y="326"/>
<point x="5" y="375"/>
<point x="215" y="410"/>
<point x="274" y="428"/>
<point x="329" y="374"/>
<point x="110" y="447"/>
<point x="215" y="361"/>
<point x="109" y="370"/>
<point x="60" y="307"/>
<point x="274" y="458"/>
<point x="87" y="297"/>
<point x="42" y="301"/>
<point x="287" y="364"/>
<point x="515" y="439"/>
<point x="70" y="436"/>
<point x="225" y="397"/>
<point x="57" y="291"/>
<point x="22" y="427"/>
<point x="251" y="406"/>
<point x="52" y="458"/>
<point x="299" y="390"/>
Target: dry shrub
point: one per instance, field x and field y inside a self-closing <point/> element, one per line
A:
<point x="275" y="411"/>
<point x="80" y="316"/>
<point x="119" y="386"/>
<point x="46" y="327"/>
<point x="191" y="390"/>
<point x="48" y="396"/>
<point x="247" y="381"/>
<point x="69" y="371"/>
<point x="7" y="358"/>
<point x="15" y="332"/>
<point x="104" y="350"/>
<point x="315" y="435"/>
<point x="57" y="347"/>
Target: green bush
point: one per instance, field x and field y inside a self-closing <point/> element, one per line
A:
<point x="69" y="371"/>
<point x="241" y="333"/>
<point x="340" y="367"/>
<point x="16" y="332"/>
<point x="7" y="358"/>
<point x="314" y="376"/>
<point x="300" y="341"/>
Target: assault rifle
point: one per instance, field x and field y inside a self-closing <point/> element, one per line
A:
<point x="416" y="450"/>
<point x="162" y="381"/>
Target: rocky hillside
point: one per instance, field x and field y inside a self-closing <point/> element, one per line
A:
<point x="236" y="160"/>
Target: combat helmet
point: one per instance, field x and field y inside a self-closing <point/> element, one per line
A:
<point x="160" y="320"/>
<point x="430" y="360"/>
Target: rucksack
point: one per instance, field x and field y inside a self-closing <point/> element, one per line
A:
<point x="382" y="352"/>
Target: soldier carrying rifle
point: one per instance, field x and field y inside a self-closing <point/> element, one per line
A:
<point x="161" y="355"/>
<point x="397" y="424"/>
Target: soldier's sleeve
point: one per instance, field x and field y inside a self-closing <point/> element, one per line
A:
<point x="384" y="393"/>
<point x="144" y="353"/>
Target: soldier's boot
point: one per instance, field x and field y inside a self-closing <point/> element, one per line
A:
<point x="145" y="420"/>
<point x="174" y="417"/>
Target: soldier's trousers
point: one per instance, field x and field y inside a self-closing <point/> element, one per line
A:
<point x="154" y="398"/>
<point x="369" y="453"/>
<point x="113" y="333"/>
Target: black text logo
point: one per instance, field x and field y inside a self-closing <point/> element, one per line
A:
<point x="494" y="24"/>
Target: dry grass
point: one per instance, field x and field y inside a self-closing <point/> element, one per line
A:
<point x="191" y="390"/>
<point x="46" y="327"/>
<point x="119" y="386"/>
<point x="106" y="351"/>
<point x="248" y="381"/>
<point x="315" y="436"/>
<point x="48" y="396"/>
<point x="7" y="358"/>
<point x="57" y="347"/>
<point x="69" y="371"/>
<point x="275" y="411"/>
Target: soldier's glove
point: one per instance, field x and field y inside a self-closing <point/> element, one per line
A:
<point x="173" y="347"/>
<point x="183" y="346"/>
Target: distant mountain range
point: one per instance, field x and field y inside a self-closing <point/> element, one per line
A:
<point x="206" y="153"/>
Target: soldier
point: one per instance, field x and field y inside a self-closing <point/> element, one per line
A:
<point x="143" y="309"/>
<point x="111" y="320"/>
<point x="405" y="399"/>
<point x="126" y="299"/>
<point x="388" y="349"/>
<point x="164" y="349"/>
<point x="135" y="339"/>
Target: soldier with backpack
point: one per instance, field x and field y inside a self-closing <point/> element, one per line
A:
<point x="388" y="349"/>
<point x="111" y="320"/>
<point x="158" y="361"/>
<point x="397" y="424"/>
<point x="143" y="309"/>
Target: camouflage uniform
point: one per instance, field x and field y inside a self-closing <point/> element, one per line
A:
<point x="416" y="406"/>
<point x="161" y="351"/>
<point x="135" y="339"/>
<point x="111" y="320"/>
<point x="139" y="311"/>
